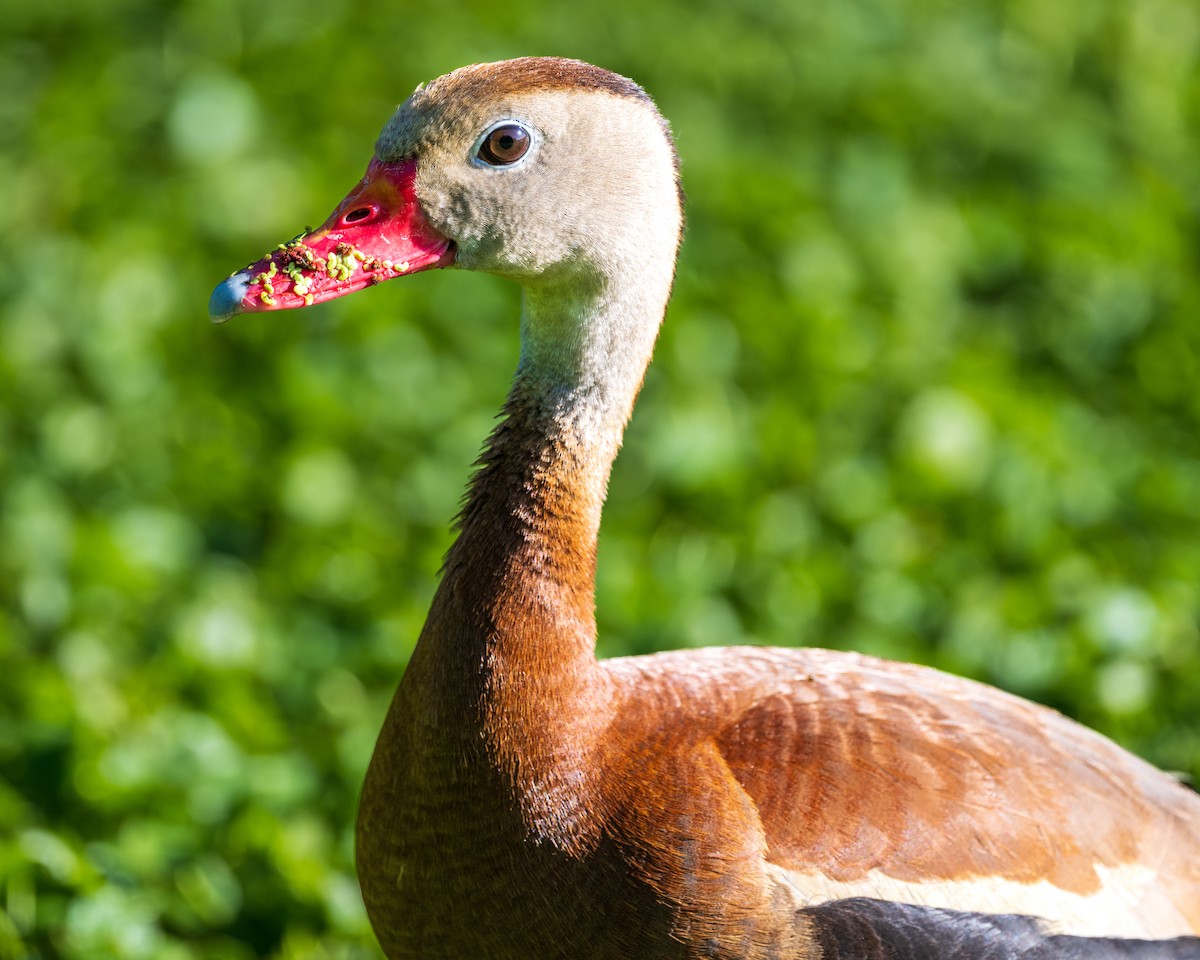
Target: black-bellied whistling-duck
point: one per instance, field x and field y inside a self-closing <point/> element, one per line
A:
<point x="528" y="801"/>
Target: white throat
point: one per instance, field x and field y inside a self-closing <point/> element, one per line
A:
<point x="587" y="337"/>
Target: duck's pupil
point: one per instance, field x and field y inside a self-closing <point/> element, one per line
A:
<point x="506" y="142"/>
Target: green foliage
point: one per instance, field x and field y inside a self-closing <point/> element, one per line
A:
<point x="927" y="390"/>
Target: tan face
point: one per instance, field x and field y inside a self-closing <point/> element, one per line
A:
<point x="553" y="173"/>
<point x="594" y="175"/>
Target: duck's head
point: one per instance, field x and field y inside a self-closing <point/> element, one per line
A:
<point x="549" y="171"/>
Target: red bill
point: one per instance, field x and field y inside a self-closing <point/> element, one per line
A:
<point x="378" y="232"/>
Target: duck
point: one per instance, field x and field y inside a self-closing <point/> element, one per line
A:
<point x="528" y="800"/>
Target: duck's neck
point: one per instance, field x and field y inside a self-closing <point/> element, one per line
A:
<point x="507" y="656"/>
<point x="518" y="586"/>
<point x="517" y="596"/>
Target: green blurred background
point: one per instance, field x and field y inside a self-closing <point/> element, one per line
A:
<point x="928" y="389"/>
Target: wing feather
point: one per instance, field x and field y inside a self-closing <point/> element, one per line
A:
<point x="888" y="780"/>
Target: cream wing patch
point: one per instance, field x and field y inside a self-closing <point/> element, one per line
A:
<point x="1129" y="903"/>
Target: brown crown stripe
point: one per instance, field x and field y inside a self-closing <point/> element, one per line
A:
<point x="527" y="75"/>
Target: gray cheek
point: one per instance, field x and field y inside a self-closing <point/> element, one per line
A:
<point x="446" y="211"/>
<point x="501" y="224"/>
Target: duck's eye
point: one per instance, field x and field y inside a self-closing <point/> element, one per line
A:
<point x="504" y="145"/>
